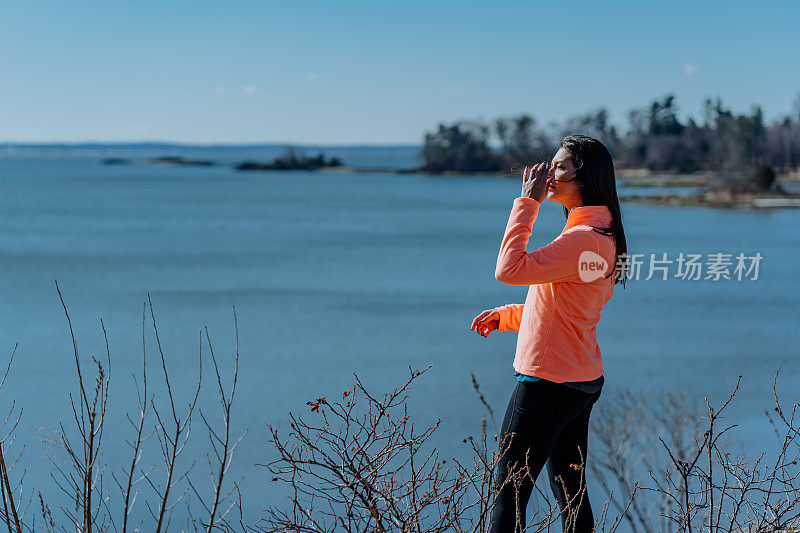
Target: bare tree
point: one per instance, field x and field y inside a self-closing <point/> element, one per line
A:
<point x="223" y="446"/>
<point x="366" y="467"/>
<point x="172" y="431"/>
<point x="131" y="478"/>
<point x="84" y="483"/>
<point x="83" y="478"/>
<point x="9" y="513"/>
<point x="696" y="479"/>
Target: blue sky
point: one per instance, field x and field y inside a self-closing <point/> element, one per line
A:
<point x="374" y="72"/>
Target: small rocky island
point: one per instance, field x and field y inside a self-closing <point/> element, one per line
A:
<point x="292" y="159"/>
<point x="163" y="160"/>
<point x="176" y="160"/>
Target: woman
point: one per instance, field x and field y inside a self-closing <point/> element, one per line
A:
<point x="557" y="363"/>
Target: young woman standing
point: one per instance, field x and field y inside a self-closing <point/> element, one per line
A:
<point x="558" y="366"/>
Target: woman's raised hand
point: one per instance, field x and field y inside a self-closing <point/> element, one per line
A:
<point x="486" y="322"/>
<point x="535" y="180"/>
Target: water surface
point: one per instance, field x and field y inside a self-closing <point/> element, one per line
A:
<point x="335" y="273"/>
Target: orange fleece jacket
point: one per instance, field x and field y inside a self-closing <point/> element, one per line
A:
<point x="557" y="323"/>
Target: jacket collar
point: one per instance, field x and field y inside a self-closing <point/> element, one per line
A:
<point x="592" y="215"/>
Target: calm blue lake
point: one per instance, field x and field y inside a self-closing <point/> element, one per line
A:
<point x="334" y="273"/>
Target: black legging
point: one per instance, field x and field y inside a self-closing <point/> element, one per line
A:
<point x="552" y="421"/>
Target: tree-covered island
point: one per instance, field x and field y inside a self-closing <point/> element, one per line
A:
<point x="729" y="154"/>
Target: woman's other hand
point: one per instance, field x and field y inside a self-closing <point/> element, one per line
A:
<point x="486" y="322"/>
<point x="535" y="180"/>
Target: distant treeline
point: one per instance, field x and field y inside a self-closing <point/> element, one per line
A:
<point x="655" y="139"/>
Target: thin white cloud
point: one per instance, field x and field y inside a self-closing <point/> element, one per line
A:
<point x="142" y="127"/>
<point x="220" y="90"/>
<point x="311" y="76"/>
<point x="248" y="89"/>
<point x="692" y="68"/>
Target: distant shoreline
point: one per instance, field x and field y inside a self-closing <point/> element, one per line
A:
<point x="151" y="153"/>
<point x="709" y="196"/>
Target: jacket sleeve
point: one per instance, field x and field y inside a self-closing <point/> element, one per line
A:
<point x="557" y="261"/>
<point x="510" y="316"/>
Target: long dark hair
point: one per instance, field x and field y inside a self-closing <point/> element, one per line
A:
<point x="594" y="172"/>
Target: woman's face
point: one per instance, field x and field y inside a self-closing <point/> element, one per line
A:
<point x="564" y="188"/>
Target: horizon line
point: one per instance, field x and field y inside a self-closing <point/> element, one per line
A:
<point x="202" y="144"/>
